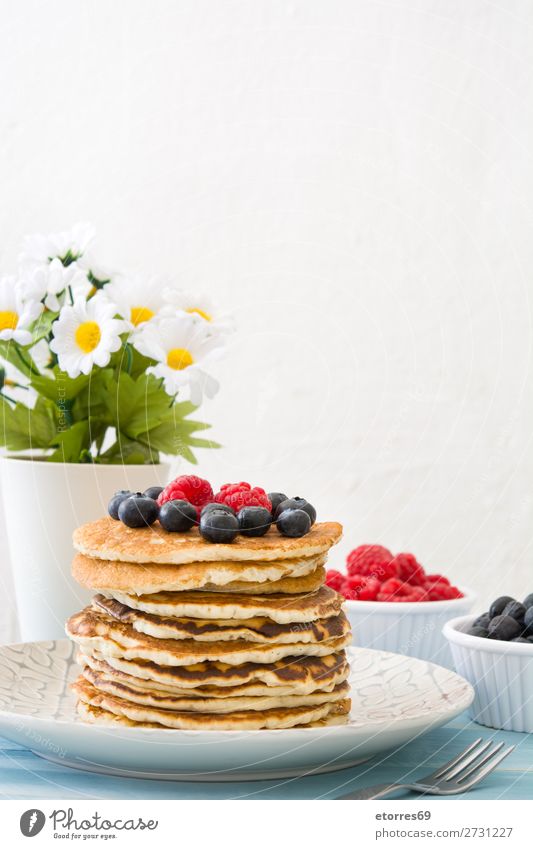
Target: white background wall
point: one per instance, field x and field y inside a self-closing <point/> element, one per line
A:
<point x="354" y="180"/>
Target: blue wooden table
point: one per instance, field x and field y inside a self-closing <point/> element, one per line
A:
<point x="25" y="776"/>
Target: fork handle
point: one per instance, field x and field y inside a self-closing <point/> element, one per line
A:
<point x="378" y="791"/>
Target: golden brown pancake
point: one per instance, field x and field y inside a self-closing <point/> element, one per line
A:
<point x="108" y="539"/>
<point x="96" y="715"/>
<point x="284" y="717"/>
<point x="139" y="578"/>
<point x="93" y="630"/>
<point x="281" y="608"/>
<point x="107" y="683"/>
<point x="214" y="679"/>
<point x="256" y="630"/>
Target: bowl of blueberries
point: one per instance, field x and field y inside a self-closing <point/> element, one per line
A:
<point x="494" y="652"/>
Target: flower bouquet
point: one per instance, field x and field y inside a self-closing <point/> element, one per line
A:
<point x="98" y="367"/>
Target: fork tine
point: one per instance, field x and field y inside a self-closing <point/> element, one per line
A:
<point x="464" y="762"/>
<point x="460" y="774"/>
<point x="442" y="769"/>
<point x="487" y="765"/>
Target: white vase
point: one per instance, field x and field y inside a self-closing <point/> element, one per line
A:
<point x="43" y="504"/>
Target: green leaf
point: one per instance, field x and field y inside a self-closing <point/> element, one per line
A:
<point x="22" y="427"/>
<point x="71" y="443"/>
<point x="60" y="387"/>
<point x="128" y="451"/>
<point x="42" y="325"/>
<point x="137" y="405"/>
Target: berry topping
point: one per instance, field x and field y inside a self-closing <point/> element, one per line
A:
<point x="153" y="492"/>
<point x="254" y="521"/>
<point x="238" y="495"/>
<point x="189" y="488"/>
<point x="296" y="503"/>
<point x="137" y="511"/>
<point x="213" y="505"/>
<point x="293" y="523"/>
<point x="116" y="501"/>
<point x="177" y="516"/>
<point x="275" y="499"/>
<point x="219" y="526"/>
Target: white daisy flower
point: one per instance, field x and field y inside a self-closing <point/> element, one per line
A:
<point x="137" y="300"/>
<point x="68" y="245"/>
<point x="54" y="282"/>
<point x="182" y="347"/>
<point x="200" y="307"/>
<point x="86" y="334"/>
<point x="16" y="312"/>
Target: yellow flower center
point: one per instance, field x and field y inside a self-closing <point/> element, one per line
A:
<point x="88" y="336"/>
<point x="140" y="314"/>
<point x="201" y="313"/>
<point x="8" y="320"/>
<point x="179" y="358"/>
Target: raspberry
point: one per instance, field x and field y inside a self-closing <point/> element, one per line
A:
<point x="238" y="495"/>
<point x="436" y="579"/>
<point x="409" y="569"/>
<point x="334" y="579"/>
<point x="442" y="592"/>
<point x="191" y="488"/>
<point x="361" y="587"/>
<point x="394" y="586"/>
<point x="372" y="560"/>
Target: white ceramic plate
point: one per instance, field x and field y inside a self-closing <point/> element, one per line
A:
<point x="394" y="699"/>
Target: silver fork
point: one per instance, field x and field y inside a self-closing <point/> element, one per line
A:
<point x="460" y="774"/>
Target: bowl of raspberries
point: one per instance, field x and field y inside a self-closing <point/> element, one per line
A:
<point x="394" y="604"/>
<point x="494" y="651"/>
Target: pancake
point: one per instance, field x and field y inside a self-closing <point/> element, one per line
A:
<point x="97" y="715"/>
<point x="139" y="578"/>
<point x="283" y="609"/>
<point x="283" y="717"/>
<point x="91" y="630"/>
<point x="108" y="539"/>
<point x="256" y="630"/>
<point x="156" y="698"/>
<point x="215" y="679"/>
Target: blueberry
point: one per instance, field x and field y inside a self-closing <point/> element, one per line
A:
<point x="177" y="515"/>
<point x="519" y="640"/>
<point x="153" y="492"/>
<point x="497" y="606"/>
<point x="482" y="621"/>
<point x="116" y="501"/>
<point x="137" y="511"/>
<point x="293" y="522"/>
<point x="296" y="503"/>
<point x="528" y="601"/>
<point x="275" y="499"/>
<point x="514" y="609"/>
<point x="477" y="631"/>
<point x="503" y="628"/>
<point x="254" y="521"/>
<point x="213" y="505"/>
<point x="219" y="526"/>
<point x="528" y="622"/>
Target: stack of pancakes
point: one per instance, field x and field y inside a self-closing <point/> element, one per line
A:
<point x="183" y="633"/>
